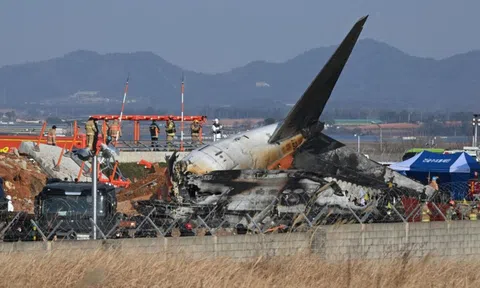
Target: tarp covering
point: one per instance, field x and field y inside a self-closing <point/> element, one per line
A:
<point x="456" y="167"/>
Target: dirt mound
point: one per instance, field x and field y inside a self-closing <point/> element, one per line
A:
<point x="23" y="180"/>
<point x="126" y="206"/>
<point x="141" y="190"/>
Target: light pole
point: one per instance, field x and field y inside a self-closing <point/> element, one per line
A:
<point x="85" y="155"/>
<point x="381" y="136"/>
<point x="358" y="142"/>
<point x="94" y="194"/>
<point x="475" y="123"/>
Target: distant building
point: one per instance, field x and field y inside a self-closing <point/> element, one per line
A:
<point x="355" y="122"/>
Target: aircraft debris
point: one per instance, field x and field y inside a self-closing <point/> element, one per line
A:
<point x="227" y="184"/>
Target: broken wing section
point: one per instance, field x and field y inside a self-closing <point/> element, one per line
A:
<point x="308" y="109"/>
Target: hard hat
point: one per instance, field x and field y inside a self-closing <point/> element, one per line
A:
<point x="196" y="121"/>
<point x="9" y="197"/>
<point x="54" y="127"/>
<point x="216" y="120"/>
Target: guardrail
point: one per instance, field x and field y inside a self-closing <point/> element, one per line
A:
<point x="160" y="145"/>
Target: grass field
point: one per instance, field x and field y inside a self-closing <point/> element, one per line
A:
<point x="112" y="269"/>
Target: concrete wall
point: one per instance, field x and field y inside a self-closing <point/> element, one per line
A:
<point x="371" y="241"/>
<point x="239" y="246"/>
<point x="157" y="156"/>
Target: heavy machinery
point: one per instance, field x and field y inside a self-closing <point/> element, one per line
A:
<point x="65" y="208"/>
<point x="62" y="210"/>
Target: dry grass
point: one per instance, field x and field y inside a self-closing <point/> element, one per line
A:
<point x="120" y="269"/>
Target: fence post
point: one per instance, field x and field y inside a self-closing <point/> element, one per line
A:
<point x="37" y="147"/>
<point x="74" y="139"/>
<point x="57" y="166"/>
<point x="112" y="176"/>
<point x="39" y="230"/>
<point x="80" y="171"/>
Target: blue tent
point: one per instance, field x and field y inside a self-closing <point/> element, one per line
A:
<point x="458" y="167"/>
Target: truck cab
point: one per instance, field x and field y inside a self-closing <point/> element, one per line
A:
<point x="65" y="208"/>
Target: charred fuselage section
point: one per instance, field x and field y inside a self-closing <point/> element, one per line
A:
<point x="265" y="199"/>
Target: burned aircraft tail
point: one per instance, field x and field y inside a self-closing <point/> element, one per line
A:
<point x="308" y="109"/>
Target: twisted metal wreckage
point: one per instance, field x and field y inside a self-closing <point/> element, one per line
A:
<point x="234" y="181"/>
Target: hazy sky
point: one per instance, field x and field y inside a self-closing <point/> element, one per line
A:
<point x="217" y="35"/>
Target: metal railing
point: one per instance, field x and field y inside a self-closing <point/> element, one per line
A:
<point x="160" y="145"/>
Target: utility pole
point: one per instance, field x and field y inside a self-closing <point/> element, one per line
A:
<point x="181" y="130"/>
<point x="94" y="193"/>
<point x="475" y="123"/>
<point x="358" y="142"/>
<point x="125" y="91"/>
<point x="381" y="135"/>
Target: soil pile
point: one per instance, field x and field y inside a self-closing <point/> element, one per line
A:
<point x="23" y="179"/>
<point x="141" y="190"/>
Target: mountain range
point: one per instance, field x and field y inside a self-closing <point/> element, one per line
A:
<point x="377" y="76"/>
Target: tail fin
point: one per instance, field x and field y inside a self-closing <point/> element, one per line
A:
<point x="309" y="108"/>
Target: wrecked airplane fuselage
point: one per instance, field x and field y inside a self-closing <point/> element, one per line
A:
<point x="226" y="181"/>
<point x="267" y="198"/>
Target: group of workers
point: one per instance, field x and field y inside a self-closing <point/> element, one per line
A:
<point x="170" y="130"/>
<point x="114" y="131"/>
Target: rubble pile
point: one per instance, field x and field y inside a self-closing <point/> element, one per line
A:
<point x="140" y="190"/>
<point x="344" y="163"/>
<point x="23" y="179"/>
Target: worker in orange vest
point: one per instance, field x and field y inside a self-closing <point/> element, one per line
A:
<point x="154" y="131"/>
<point x="114" y="129"/>
<point x="52" y="136"/>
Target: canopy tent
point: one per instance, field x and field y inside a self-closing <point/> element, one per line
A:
<point x="458" y="167"/>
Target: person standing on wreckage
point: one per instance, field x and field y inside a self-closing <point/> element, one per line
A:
<point x="217" y="130"/>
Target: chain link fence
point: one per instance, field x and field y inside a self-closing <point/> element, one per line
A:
<point x="70" y="217"/>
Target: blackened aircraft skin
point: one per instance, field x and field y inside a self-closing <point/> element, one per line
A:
<point x="260" y="148"/>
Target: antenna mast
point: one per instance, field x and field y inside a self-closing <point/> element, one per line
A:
<point x="181" y="131"/>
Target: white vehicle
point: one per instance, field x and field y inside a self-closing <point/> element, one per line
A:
<point x="472" y="151"/>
